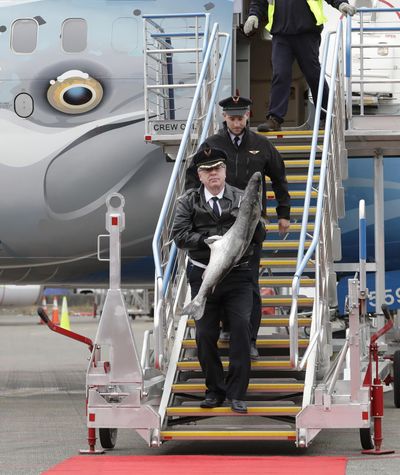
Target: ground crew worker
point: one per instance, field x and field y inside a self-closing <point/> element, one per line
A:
<point x="247" y="153"/>
<point x="196" y="219"/>
<point x="296" y="27"/>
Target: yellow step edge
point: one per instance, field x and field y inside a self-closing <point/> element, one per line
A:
<point x="294" y="227"/>
<point x="297" y="179"/>
<point x="253" y="387"/>
<point x="270" y="321"/>
<point x="293" y="194"/>
<point x="296" y="148"/>
<point x="284" y="281"/>
<point x="277" y="245"/>
<point x="302" y="301"/>
<point x="229" y="434"/>
<point x="255" y="365"/>
<point x="227" y="411"/>
<point x="284" y="322"/>
<point x="285" y="133"/>
<point x="271" y="211"/>
<point x="265" y="343"/>
<point x="293" y="163"/>
<point x="276" y="262"/>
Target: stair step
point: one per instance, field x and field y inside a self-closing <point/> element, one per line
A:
<point x="228" y="435"/>
<point x="294" y="211"/>
<point x="283" y="322"/>
<point x="300" y="163"/>
<point x="278" y="300"/>
<point x="271" y="321"/>
<point x="296" y="148"/>
<point x="284" y="245"/>
<point x="283" y="262"/>
<point x="227" y="411"/>
<point x="294" y="195"/>
<point x="252" y="388"/>
<point x="297" y="179"/>
<point x="259" y="365"/>
<point x="285" y="133"/>
<point x="262" y="343"/>
<point x="295" y="227"/>
<point x="284" y="282"/>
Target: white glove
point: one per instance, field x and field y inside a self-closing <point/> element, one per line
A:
<point x="251" y="25"/>
<point x="347" y="9"/>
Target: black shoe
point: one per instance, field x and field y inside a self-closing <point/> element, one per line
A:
<point x="254" y="355"/>
<point x="210" y="402"/>
<point x="224" y="336"/>
<point x="239" y="406"/>
<point x="272" y="124"/>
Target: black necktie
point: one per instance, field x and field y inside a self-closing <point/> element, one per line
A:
<point x="215" y="206"/>
<point x="236" y="140"/>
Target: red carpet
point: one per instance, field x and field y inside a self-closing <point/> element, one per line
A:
<point x="200" y="465"/>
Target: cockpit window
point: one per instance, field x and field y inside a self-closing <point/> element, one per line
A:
<point x="24" y="34"/>
<point x="74" y="35"/>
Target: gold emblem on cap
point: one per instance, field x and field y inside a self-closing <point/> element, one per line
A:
<point x="207" y="152"/>
<point x="235" y="99"/>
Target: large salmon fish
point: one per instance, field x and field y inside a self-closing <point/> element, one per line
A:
<point x="227" y="250"/>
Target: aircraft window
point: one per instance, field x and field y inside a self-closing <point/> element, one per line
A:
<point x="125" y="33"/>
<point x="74" y="35"/>
<point x="363" y="3"/>
<point x="74" y="92"/>
<point x="24" y="35"/>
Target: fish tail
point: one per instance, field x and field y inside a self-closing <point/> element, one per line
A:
<point x="195" y="308"/>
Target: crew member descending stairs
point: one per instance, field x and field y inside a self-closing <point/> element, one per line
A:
<point x="275" y="391"/>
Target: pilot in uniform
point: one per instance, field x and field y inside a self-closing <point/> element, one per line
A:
<point x="248" y="152"/>
<point x="207" y="210"/>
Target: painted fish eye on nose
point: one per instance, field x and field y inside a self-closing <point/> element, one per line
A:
<point x="74" y="92"/>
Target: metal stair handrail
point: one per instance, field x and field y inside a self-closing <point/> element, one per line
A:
<point x="170" y="262"/>
<point x="322" y="240"/>
<point x="349" y="47"/>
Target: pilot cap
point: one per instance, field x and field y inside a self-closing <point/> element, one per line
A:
<point x="235" y="105"/>
<point x="209" y="158"/>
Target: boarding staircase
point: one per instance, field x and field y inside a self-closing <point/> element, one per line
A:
<point x="297" y="286"/>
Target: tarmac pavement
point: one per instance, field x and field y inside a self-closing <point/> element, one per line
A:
<point x="42" y="408"/>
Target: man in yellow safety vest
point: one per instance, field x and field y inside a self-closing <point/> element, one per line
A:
<point x="295" y="26"/>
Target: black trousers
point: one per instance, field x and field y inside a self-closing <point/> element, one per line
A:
<point x="234" y="294"/>
<point x="255" y="317"/>
<point x="285" y="49"/>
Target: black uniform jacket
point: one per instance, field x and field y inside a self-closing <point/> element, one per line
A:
<point x="255" y="154"/>
<point x="195" y="221"/>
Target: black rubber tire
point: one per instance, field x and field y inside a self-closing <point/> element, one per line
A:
<point x="367" y="438"/>
<point x="108" y="438"/>
<point x="396" y="378"/>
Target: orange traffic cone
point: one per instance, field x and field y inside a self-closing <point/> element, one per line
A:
<point x="54" y="315"/>
<point x="44" y="306"/>
<point x="64" y="315"/>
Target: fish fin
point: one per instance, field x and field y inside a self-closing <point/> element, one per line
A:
<point x="195" y="308"/>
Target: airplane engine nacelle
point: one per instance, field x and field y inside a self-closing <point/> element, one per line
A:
<point x="19" y="294"/>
